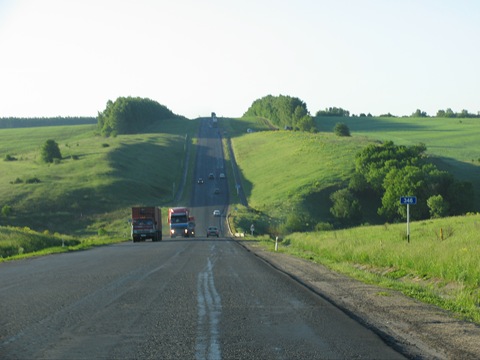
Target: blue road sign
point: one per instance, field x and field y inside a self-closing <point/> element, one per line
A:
<point x="408" y="200"/>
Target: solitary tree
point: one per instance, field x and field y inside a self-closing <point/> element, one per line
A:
<point x="50" y="151"/>
<point x="341" y="129"/>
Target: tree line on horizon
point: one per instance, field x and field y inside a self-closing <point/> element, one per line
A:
<point x="22" y="122"/>
<point x="448" y="113"/>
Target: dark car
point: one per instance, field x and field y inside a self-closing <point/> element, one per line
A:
<point x="211" y="176"/>
<point x="212" y="231"/>
<point x="200" y="181"/>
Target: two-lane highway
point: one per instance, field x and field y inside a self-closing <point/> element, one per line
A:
<point x="209" y="160"/>
<point x="194" y="298"/>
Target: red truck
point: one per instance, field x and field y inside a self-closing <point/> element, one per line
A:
<point x="146" y="223"/>
<point x="181" y="223"/>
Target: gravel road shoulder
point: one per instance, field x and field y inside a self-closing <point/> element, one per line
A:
<point x="418" y="330"/>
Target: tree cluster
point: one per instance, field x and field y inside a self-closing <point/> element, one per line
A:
<point x="450" y="114"/>
<point x="283" y="111"/>
<point x="130" y="115"/>
<point x="390" y="171"/>
<point x="333" y="111"/>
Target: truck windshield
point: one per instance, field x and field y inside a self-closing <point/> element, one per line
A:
<point x="177" y="219"/>
<point x="142" y="222"/>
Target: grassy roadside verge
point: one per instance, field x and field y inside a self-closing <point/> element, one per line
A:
<point x="439" y="266"/>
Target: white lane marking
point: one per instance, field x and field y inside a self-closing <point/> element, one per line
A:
<point x="207" y="346"/>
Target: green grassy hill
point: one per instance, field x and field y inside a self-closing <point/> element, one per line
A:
<point x="452" y="143"/>
<point x="95" y="183"/>
<point x="287" y="172"/>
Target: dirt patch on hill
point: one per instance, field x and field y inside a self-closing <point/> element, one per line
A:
<point x="418" y="330"/>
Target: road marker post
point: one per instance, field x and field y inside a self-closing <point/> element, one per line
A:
<point x="407" y="200"/>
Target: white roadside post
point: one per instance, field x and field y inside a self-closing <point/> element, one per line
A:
<point x="407" y="200"/>
<point x="252" y="229"/>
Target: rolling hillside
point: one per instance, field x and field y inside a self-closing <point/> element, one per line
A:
<point x="289" y="172"/>
<point x="96" y="182"/>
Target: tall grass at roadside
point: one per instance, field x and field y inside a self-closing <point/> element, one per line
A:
<point x="443" y="272"/>
<point x="15" y="242"/>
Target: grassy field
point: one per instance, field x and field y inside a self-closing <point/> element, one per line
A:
<point x="90" y="191"/>
<point x="440" y="264"/>
<point x="288" y="171"/>
<point x="451" y="143"/>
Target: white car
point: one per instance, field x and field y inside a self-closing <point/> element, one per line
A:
<point x="216" y="212"/>
<point x="222" y="176"/>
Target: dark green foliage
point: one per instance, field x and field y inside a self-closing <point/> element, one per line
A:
<point x="283" y="111"/>
<point x="392" y="171"/>
<point x="341" y="129"/>
<point x="333" y="111"/>
<point x="346" y="207"/>
<point x="9" y="157"/>
<point x="461" y="197"/>
<point x="130" y="115"/>
<point x="6" y="210"/>
<point x="297" y="222"/>
<point x="375" y="161"/>
<point x="323" y="226"/>
<point x="50" y="151"/>
<point x="33" y="180"/>
<point x="419" y="113"/>
<point x="438" y="206"/>
<point x="450" y="114"/>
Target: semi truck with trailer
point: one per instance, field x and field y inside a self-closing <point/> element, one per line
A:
<point x="146" y="223"/>
<point x="181" y="222"/>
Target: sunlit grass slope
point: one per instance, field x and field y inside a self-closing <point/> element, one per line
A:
<point x="282" y="168"/>
<point x="96" y="182"/>
<point x="452" y="143"/>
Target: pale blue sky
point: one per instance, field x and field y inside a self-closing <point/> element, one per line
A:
<point x="68" y="58"/>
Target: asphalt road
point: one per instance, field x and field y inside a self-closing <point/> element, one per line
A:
<point x="194" y="298"/>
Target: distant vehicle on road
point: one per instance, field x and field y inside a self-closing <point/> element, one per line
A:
<point x="212" y="231"/>
<point x="146" y="223"/>
<point x="181" y="222"/>
<point x="216" y="191"/>
<point x="211" y="176"/>
<point x="216" y="213"/>
<point x="200" y="181"/>
<point x="222" y="176"/>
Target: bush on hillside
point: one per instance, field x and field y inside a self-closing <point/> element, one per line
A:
<point x="9" y="157"/>
<point x="341" y="129"/>
<point x="130" y="115"/>
<point x="50" y="151"/>
<point x="6" y="210"/>
<point x="346" y="207"/>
